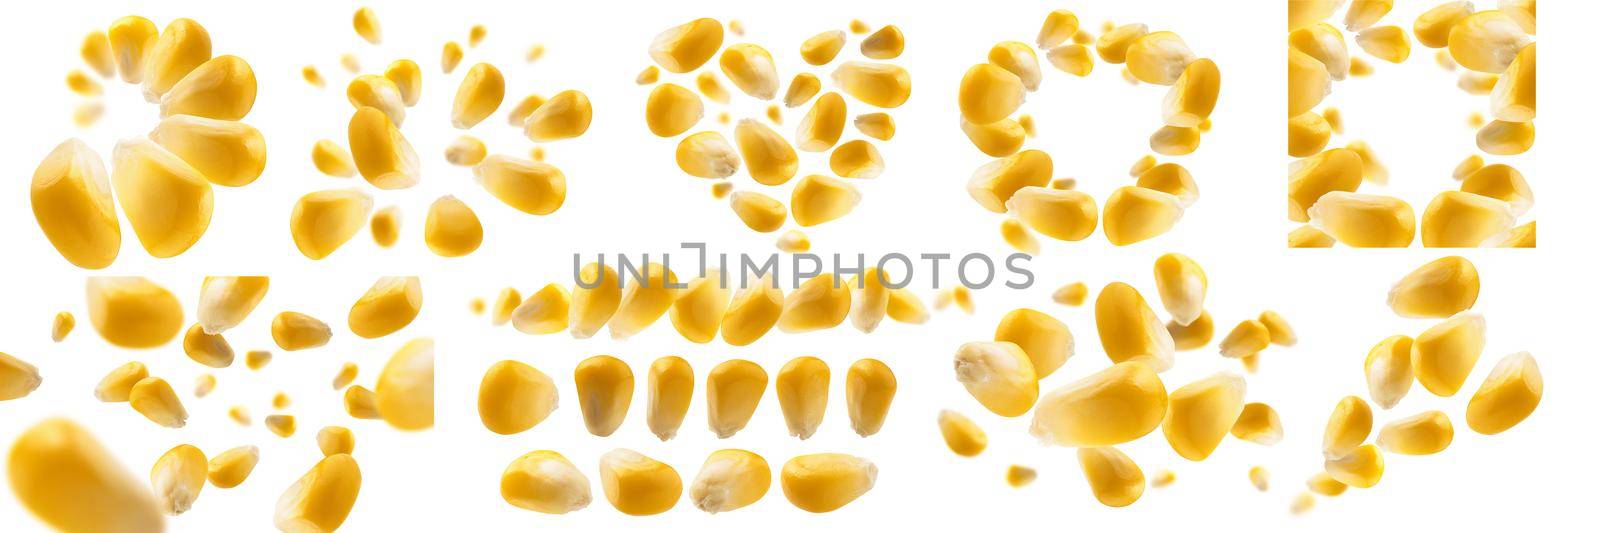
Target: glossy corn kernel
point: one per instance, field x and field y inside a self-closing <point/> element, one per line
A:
<point x="359" y="402"/>
<point x="388" y="306"/>
<point x="1506" y="138"/>
<point x="61" y="325"/>
<point x="153" y="398"/>
<point x="1425" y="433"/>
<point x="1019" y="59"/>
<point x="1462" y="219"/>
<point x="1388" y="371"/>
<point x="1338" y="169"/>
<point x="1347" y="427"/>
<point x="856" y="159"/>
<point x="751" y="69"/>
<point x="638" y="485"/>
<point x="802" y="389"/>
<point x="166" y="200"/>
<point x="222" y="88"/>
<point x="1438" y="289"/>
<point x="381" y="153"/>
<point x="280" y="425"/>
<point x="1361" y="469"/>
<point x="130" y="40"/>
<point x="1195" y="335"/>
<point x="730" y="480"/>
<point x="1112" y="45"/>
<point x="733" y="390"/>
<point x="605" y="390"/>
<point x="322" y="498"/>
<point x="1059" y="26"/>
<point x="754" y="310"/>
<point x="71" y="199"/>
<point x="1201" y="413"/>
<point x="870" y="299"/>
<point x="59" y="471"/>
<point x="1433" y="26"/>
<point x="114" y="387"/>
<point x="767" y="155"/>
<point x="707" y="155"/>
<point x="1326" y="485"/>
<point x="1129" y="330"/>
<point x="207" y="348"/>
<point x="181" y="47"/>
<point x="699" y="308"/>
<point x="346" y="375"/>
<point x="1307" y="236"/>
<point x="816" y="304"/>
<point x="1072" y="294"/>
<point x="452" y="229"/>
<point x="1171" y="140"/>
<point x="465" y="151"/>
<point x="818" y="199"/>
<point x="822" y="125"/>
<point x="685" y="47"/>
<point x="1182" y="286"/>
<point x="323" y="221"/>
<point x="1159" y="58"/>
<point x="1072" y="59"/>
<point x="544" y="481"/>
<point x="1324" y="43"/>
<point x="671" y="387"/>
<point x="296" y="331"/>
<point x="1364" y="220"/>
<point x="563" y="116"/>
<point x="543" y="312"/>
<point x="672" y="109"/>
<point x="404" y="392"/>
<point x="480" y="94"/>
<point x="989" y="93"/>
<point x="519" y="114"/>
<point x="1309" y="82"/>
<point x="132" y="312"/>
<point x="177" y="477"/>
<point x="1308" y="134"/>
<point x="1486" y="41"/>
<point x="961" y="434"/>
<point x="230" y="468"/>
<point x="1258" y="423"/>
<point x="1000" y="138"/>
<point x="531" y="187"/>
<point x="18" y="378"/>
<point x="821" y="48"/>
<point x="1388" y="43"/>
<point x="1073" y="415"/>
<point x="644" y="301"/>
<point x="333" y="440"/>
<point x="1193" y="95"/>
<point x="1113" y="477"/>
<point x="1513" y="96"/>
<point x="1500" y="182"/>
<point x="1507" y="396"/>
<point x="994" y="184"/>
<point x="804" y="86"/>
<point x="1044" y="340"/>
<point x="224" y="152"/>
<point x="824" y="482"/>
<point x="1134" y="214"/>
<point x="332" y="159"/>
<point x="869" y="390"/>
<point x="1364" y="13"/>
<point x="405" y="78"/>
<point x="594" y="300"/>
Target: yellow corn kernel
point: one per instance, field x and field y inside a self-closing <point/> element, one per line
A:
<point x="769" y="158"/>
<point x="824" y="482"/>
<point x="1113" y="477"/>
<point x="594" y="300"/>
<point x="1000" y="138"/>
<point x="381" y="152"/>
<point x="1018" y="59"/>
<point x="1017" y="235"/>
<point x="1246" y="339"/>
<point x="222" y="88"/>
<point x="1324" y="43"/>
<point x="475" y="35"/>
<point x="999" y="375"/>
<point x="1326" y="485"/>
<point x="1425" y="433"/>
<point x="71" y="199"/>
<point x="1385" y="42"/>
<point x="530" y="103"/>
<point x="1444" y="60"/>
<point x="1182" y="286"/>
<point x="1347" y="428"/>
<point x="962" y="297"/>
<point x="230" y="468"/>
<point x="296" y="331"/>
<point x="226" y="153"/>
<point x="365" y="22"/>
<point x="204" y="384"/>
<point x="312" y="76"/>
<point x="80" y="83"/>
<point x="1500" y="182"/>
<point x="729" y="480"/>
<point x="818" y="199"/>
<point x="58" y="471"/>
<point x="404" y="80"/>
<point x="1171" y="140"/>
<point x="721" y="189"/>
<point x="819" y="303"/>
<point x="1432" y="27"/>
<point x="856" y="159"/>
<point x="793" y="241"/>
<point x="61" y="326"/>
<point x="323" y="221"/>
<point x="177" y="477"/>
<point x="388" y="306"/>
<point x="1361" y="469"/>
<point x="751" y="69"/>
<point x="1129" y="330"/>
<point x="563" y="116"/>
<point x="1072" y="294"/>
<point x="1258" y="423"/>
<point x="87" y="113"/>
<point x="1046" y="341"/>
<point x="804" y="86"/>
<point x="821" y="48"/>
<point x="1309" y="82"/>
<point x="1512" y="99"/>
<point x="802" y="389"/>
<point x="1201" y="413"/>
<point x="1159" y="58"/>
<point x="1438" y="289"/>
<point x="821" y="126"/>
<point x="546" y="482"/>
<point x="1463" y="219"/>
<point x="1486" y="41"/>
<point x="961" y="434"/>
<point x="133" y="312"/>
<point x="450" y="57"/>
<point x="1506" y="138"/>
<point x="1193" y="95"/>
<point x="1308" y="134"/>
<point x="359" y="402"/>
<point x="753" y="311"/>
<point x="166" y="200"/>
<point x="871" y="299"/>
<point x="733" y="390"/>
<point x="332" y="159"/>
<point x="1059" y="25"/>
<point x="206" y="348"/>
<point x="114" y="387"/>
<point x="18" y="378"/>
<point x="699" y="308"/>
<point x="1303" y="12"/>
<point x="1134" y="214"/>
<point x="333" y="440"/>
<point x="685" y="47"/>
<point x="1171" y="178"/>
<point x="130" y="40"/>
<point x="1072" y="59"/>
<point x="1334" y="119"/>
<point x="153" y="398"/>
<point x="1364" y="220"/>
<point x="404" y="393"/>
<point x="257" y="359"/>
<point x="605" y="389"/>
<point x="1364" y="13"/>
<point x="1507" y="396"/>
<point x="1127" y="76"/>
<point x="989" y="93"/>
<point x="869" y="389"/>
<point x="347" y="374"/>
<point x="1112" y="46"/>
<point x="672" y="109"/>
<point x="452" y="229"/>
<point x="1338" y="169"/>
<point x="534" y="53"/>
<point x="1522" y="11"/>
<point x="1388" y="370"/>
<point x="480" y="94"/>
<point x="671" y="387"/>
<point x="465" y="151"/>
<point x="1018" y="476"/>
<point x="1372" y="169"/>
<point x="644" y="301"/>
<point x="1307" y="236"/>
<point x="1195" y="335"/>
<point x="544" y="312"/>
<point x="532" y="187"/>
<point x="711" y="88"/>
<point x="280" y="401"/>
<point x="181" y="47"/>
<point x="1026" y="121"/>
<point x="1278" y="329"/>
<point x="322" y="498"/>
<point x="1443" y="356"/>
<point x="1259" y="478"/>
<point x="994" y="184"/>
<point x="1162" y="478"/>
<point x="1478" y="83"/>
<point x="477" y="306"/>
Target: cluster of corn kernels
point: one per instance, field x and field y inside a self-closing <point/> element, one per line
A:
<point x="1021" y="183"/>
<point x="57" y="466"/>
<point x="1497" y="49"/>
<point x="672" y="110"/>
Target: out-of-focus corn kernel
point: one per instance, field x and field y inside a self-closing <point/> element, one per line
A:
<point x="543" y="312"/>
<point x="181" y="47"/>
<point x="804" y="86"/>
<point x="1201" y="413"/>
<point x="721" y="189"/>
<point x="1162" y="478"/>
<point x="821" y="126"/>
<point x="58" y="470"/>
<point x="1506" y="138"/>
<point x="1073" y="415"/>
<point x="333" y="440"/>
<point x="18" y="378"/>
<point x="225" y="152"/>
<point x="296" y="331"/>
<point x="1059" y="25"/>
<point x="768" y="156"/>
<point x="475" y="35"/>
<point x="534" y="53"/>
<point x="114" y="387"/>
<point x="685" y="47"/>
<point x="1444" y="60"/>
<point x="708" y="85"/>
<point x="452" y="229"/>
<point x="465" y="151"/>
<point x="1072" y="294"/>
<point x="1372" y="169"/>
<point x="88" y="113"/>
<point x="1324" y="43"/>
<point x="61" y="326"/>
<point x="207" y="348"/>
<point x="1335" y="120"/>
<point x="751" y="69"/>
<point x="671" y="387"/>
<point x="1463" y="219"/>
<point x="366" y="24"/>
<point x="605" y="390"/>
<point x="404" y="392"/>
<point x="1181" y="283"/>
<point x="153" y="398"/>
<point x="204" y="384"/>
<point x="505" y="303"/>
<point x="858" y="27"/>
<point x="856" y="159"/>
<point x="1308" y="134"/>
<point x="1304" y="12"/>
<point x="388" y="306"/>
<point x="360" y="402"/>
<point x="546" y="482"/>
<point x="999" y="375"/>
<point x="733" y="390"/>
<point x="1347" y="427"/>
<point x="824" y="482"/>
<point x="1507" y="396"/>
<point x="869" y="389"/>
<point x="130" y="39"/>
<point x="1388" y="43"/>
<point x="347" y="374"/>
<point x="332" y="159"/>
<point x="1000" y="138"/>
<point x="381" y="153"/>
<point x="1259" y="478"/>
<point x="1425" y="433"/>
<point x="962" y="297"/>
<point x="1113" y="477"/>
<point x="1338" y="169"/>
<point x="230" y="468"/>
<point x="1278" y="329"/>
<point x="480" y="94"/>
<point x="647" y="76"/>
<point x="563" y="116"/>
<point x="904" y="306"/>
<point x="989" y="93"/>
<point x="730" y="480"/>
<point x="1171" y="140"/>
<point x="166" y="200"/>
<point x="1193" y="95"/>
<point x="312" y="76"/>
<point x="961" y="434"/>
<point x="514" y="397"/>
<point x="1522" y="11"/>
<point x="1129" y="330"/>
<point x="1195" y="335"/>
<point x="1324" y="484"/>
<point x="1478" y="83"/>
<point x="385" y="226"/>
<point x="1438" y="289"/>
<point x="1361" y="468"/>
<point x="1072" y="59"/>
<point x="1018" y="59"/>
<point x="531" y="187"/>
<point x="818" y="199"/>
<point x="1258" y="423"/>
<point x="1046" y="341"/>
<point x="1486" y="41"/>
<point x="322" y="498"/>
<point x="1364" y="13"/>
<point x="1364" y="220"/>
<point x="133" y="312"/>
<point x="1018" y="476"/>
<point x="80" y="83"/>
<point x="1134" y="214"/>
<point x="802" y="389"/>
<point x="450" y="57"/>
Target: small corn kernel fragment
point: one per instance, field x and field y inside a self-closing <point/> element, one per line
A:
<point x="381" y="153"/>
<point x="1308" y="134"/>
<point x="177" y="477"/>
<point x="525" y="108"/>
<point x="1112" y="45"/>
<point x="721" y="189"/>
<point x="821" y="48"/>
<point x="824" y="482"/>
<point x="1193" y="95"/>
<point x="1019" y="59"/>
<point x="334" y="440"/>
<point x="1425" y="433"/>
<point x="1072" y="294"/>
<point x="465" y="151"/>
<point x="605" y="389"/>
<point x="388" y="306"/>
<point x="181" y="47"/>
<point x="153" y="398"/>
<point x="404" y="392"/>
<point x="1500" y="182"/>
<point x="1478" y="83"/>
<point x="994" y="184"/>
<point x="204" y="384"/>
<point x="1134" y="214"/>
<point x="132" y="312"/>
<point x="360" y="402"/>
<point x="88" y="113"/>
<point x="452" y="229"/>
<point x="751" y="69"/>
<point x="1026" y="121"/>
<point x="818" y="199"/>
<point x="1259" y="478"/>
<point x="1201" y="413"/>
<point x="856" y="159"/>
<point x="638" y="485"/>
<point x="322" y="498"/>
<point x="989" y="93"/>
<point x="802" y="389"/>
<point x="1338" y="169"/>
<point x="822" y="125"/>
<point x="1309" y="82"/>
<point x="1364" y="220"/>
<point x="226" y="153"/>
<point x="406" y="77"/>
<point x="1072" y="59"/>
<point x="59" y="472"/>
<point x="1129" y="330"/>
<point x="208" y="349"/>
<point x="1324" y="484"/>
<point x="961" y="434"/>
<point x="1359" y="68"/>
<point x="130" y="39"/>
<point x="647" y="76"/>
<point x="450" y="57"/>
<point x="280" y="425"/>
<point x="730" y="480"/>
<point x="869" y="389"/>
<point x="366" y="24"/>
<point x="999" y="375"/>
<point x="1347" y="427"/>
<point x="1195" y="335"/>
<point x="543" y="312"/>
<point x="167" y="201"/>
<point x="962" y="297"/>
<point x="1388" y="370"/>
<point x="114" y="387"/>
<point x="1506" y="138"/>
<point x="767" y="155"/>
<point x="1018" y="476"/>
<point x="1388" y="43"/>
<point x="61" y="326"/>
<point x="18" y="378"/>
<point x="346" y="375"/>
<point x="672" y="109"/>
<point x="1364" y="13"/>
<point x="1462" y="219"/>
<point x="544" y="481"/>
<point x="685" y="47"/>
<point x="1044" y="340"/>
<point x="1000" y="138"/>
<point x="563" y="116"/>
<point x="280" y="401"/>
<point x="480" y="94"/>
<point x="1507" y="396"/>
<point x="1074" y="415"/>
<point x="1362" y="468"/>
<point x="1113" y="477"/>
<point x="534" y="53"/>
<point x="230" y="468"/>
<point x="1513" y="96"/>
<point x="313" y="77"/>
<point x="671" y="387"/>
<point x="1486" y="41"/>
<point x="531" y="187"/>
<point x="385" y="226"/>
<point x="1258" y="423"/>
<point x="1278" y="329"/>
<point x="297" y="331"/>
<point x="594" y="299"/>
<point x="1173" y="179"/>
<point x="804" y="86"/>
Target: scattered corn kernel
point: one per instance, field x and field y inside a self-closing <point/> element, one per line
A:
<point x="546" y="482"/>
<point x="1129" y="330"/>
<point x="869" y="389"/>
<point x="531" y="187"/>
<point x="388" y="306"/>
<point x="404" y="392"/>
<point x="563" y="116"/>
<point x="465" y="151"/>
<point x="166" y="200"/>
<point x="297" y="331"/>
<point x="1019" y="59"/>
<point x="407" y="79"/>
<point x="543" y="312"/>
<point x="58" y="470"/>
<point x="480" y="94"/>
<point x="1324" y="484"/>
<point x="1388" y="43"/>
<point x="672" y="109"/>
<point x="322" y="498"/>
<point x="818" y="199"/>
<point x="1072" y="59"/>
<point x="385" y="226"/>
<point x="1338" y="169"/>
<point x="131" y="38"/>
<point x="181" y="47"/>
<point x="1486" y="41"/>
<point x="989" y="93"/>
<point x="671" y="387"/>
<point x="1170" y="140"/>
<point x="1193" y="95"/>
<point x="1059" y="25"/>
<point x="18" y="378"/>
<point x="1308" y="134"/>
<point x="230" y="468"/>
<point x="856" y="159"/>
<point x="359" y="402"/>
<point x="1507" y="396"/>
<point x="346" y="375"/>
<point x="994" y="184"/>
<point x="638" y="485"/>
<point x="1501" y="182"/>
<point x="769" y="158"/>
<point x="751" y="69"/>
<point x="381" y="153"/>
<point x="452" y="229"/>
<point x="204" y="384"/>
<point x="1362" y="468"/>
<point x="824" y="482"/>
<point x="1201" y="413"/>
<point x="1513" y="96"/>
<point x="1112" y="46"/>
<point x="1195" y="335"/>
<point x="1258" y="423"/>
<point x="802" y="389"/>
<point x="961" y="434"/>
<point x="1073" y="415"/>
<point x="1113" y="477"/>
<point x="177" y="477"/>
<point x="1388" y="370"/>
<point x="1162" y="478"/>
<point x="1347" y="428"/>
<point x="644" y="301"/>
<point x="224" y="152"/>
<point x="1425" y="433"/>
<point x="334" y="440"/>
<point x="730" y="480"/>
<point x="153" y="398"/>
<point x="605" y="389"/>
<point x="1134" y="214"/>
<point x="821" y="126"/>
<point x="1072" y="294"/>
<point x="208" y="349"/>
<point x="114" y="387"/>
<point x="733" y="390"/>
<point x="1463" y="219"/>
<point x="1259" y="478"/>
<point x="685" y="47"/>
<point x="1506" y="138"/>
<point x="1364" y="13"/>
<point x="450" y="57"/>
<point x="61" y="326"/>
<point x="133" y="312"/>
<point x="594" y="300"/>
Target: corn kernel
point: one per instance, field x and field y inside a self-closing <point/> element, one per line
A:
<point x="1182" y="286"/>
<point x="989" y="93"/>
<point x="1364" y="13"/>
<point x="1044" y="340"/>
<point x="804" y="86"/>
<point x="1072" y="294"/>
<point x="381" y="152"/>
<point x="685" y="47"/>
<point x="1462" y="219"/>
<point x="58" y="471"/>
<point x="18" y="378"/>
<point x="821" y="126"/>
<point x="204" y="384"/>
<point x="962" y="297"/>
<point x="130" y="40"/>
<point x="366" y="24"/>
<point x="1388" y="370"/>
<point x="280" y="401"/>
<point x="1385" y="42"/>
<point x="1018" y="59"/>
<point x="166" y="200"/>
<point x="1307" y="236"/>
<point x="1113" y="44"/>
<point x="753" y="311"/>
<point x="313" y="77"/>
<point x="465" y="151"/>
<point x="1500" y="182"/>
<point x="295" y="331"/>
<point x="751" y="69"/>
<point x="224" y="152"/>
<point x="870" y="301"/>
<point x="1246" y="339"/>
<point x="605" y="389"/>
<point x="332" y="159"/>
<point x="672" y="109"/>
<point x="1018" y="476"/>
<point x="1059" y="25"/>
<point x="323" y="221"/>
<point x="153" y="398"/>
<point x="1201" y="413"/>
<point x="644" y="301"/>
<point x="388" y="306"/>
<point x="1507" y="396"/>
<point x="1506" y="138"/>
<point x="802" y="389"/>
<point x="999" y="375"/>
<point x="1134" y="214"/>
<point x="333" y="440"/>
<point x="1438" y="289"/>
<point x="1171" y="140"/>
<point x="1026" y="121"/>
<point x="87" y="114"/>
<point x="818" y="199"/>
<point x="1425" y="433"/>
<point x="721" y="189"/>
<point x="544" y="481"/>
<point x="222" y="88"/>
<point x="708" y="85"/>
<point x="1195" y="335"/>
<point x="1361" y="469"/>
<point x="1486" y="41"/>
<point x="479" y="95"/>
<point x="994" y="184"/>
<point x="819" y="303"/>
<point x="1347" y="428"/>
<point x="529" y="186"/>
<point x="1073" y="415"/>
<point x="1162" y="478"/>
<point x="1478" y="83"/>
<point x="80" y="83"/>
<point x="544" y="312"/>
<point x="61" y="326"/>
<point x="1113" y="477"/>
<point x="1193" y="95"/>
<point x="856" y="159"/>
<point x="1338" y="169"/>
<point x="647" y="76"/>
<point x="450" y="57"/>
<point x="869" y="389"/>
<point x="1372" y="170"/>
<point x="1159" y="58"/>
<point x="404" y="393"/>
<point x="230" y="468"/>
<point x="905" y="307"/>
<point x="821" y="48"/>
<point x="359" y="402"/>
<point x="824" y="482"/>
<point x="132" y="312"/>
<point x="452" y="229"/>
<point x="698" y="311"/>
<point x="207" y="348"/>
<point x="1259" y="478"/>
<point x="594" y="300"/>
<point x="1324" y="43"/>
<point x="733" y="390"/>
<point x="181" y="47"/>
<point x="347" y="374"/>
<point x="769" y="158"/>
<point x="114" y="387"/>
<point x="730" y="480"/>
<point x="1000" y="138"/>
<point x="1364" y="220"/>
<point x="1129" y="330"/>
<point x="671" y="387"/>
<point x="72" y="203"/>
<point x="322" y="498"/>
<point x="1309" y="82"/>
<point x="1432" y="27"/>
<point x="1512" y="98"/>
<point x="1072" y="59"/>
<point x="534" y="53"/>
<point x="961" y="434"/>
<point x="1326" y="485"/>
<point x="407" y="79"/>
<point x="563" y="116"/>
<point x="1308" y="134"/>
<point x="1258" y="423"/>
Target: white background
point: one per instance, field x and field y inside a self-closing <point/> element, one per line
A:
<point x="626" y="195"/>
